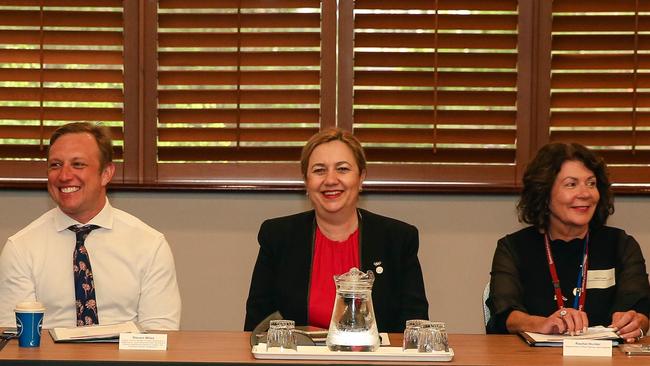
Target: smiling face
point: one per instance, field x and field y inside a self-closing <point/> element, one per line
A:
<point x="574" y="198"/>
<point x="75" y="179"/>
<point x="333" y="180"/>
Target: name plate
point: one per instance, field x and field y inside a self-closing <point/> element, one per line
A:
<point x="586" y="347"/>
<point x="143" y="342"/>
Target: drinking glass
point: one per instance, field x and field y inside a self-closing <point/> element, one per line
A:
<point x="433" y="338"/>
<point x="411" y="333"/>
<point x="281" y="337"/>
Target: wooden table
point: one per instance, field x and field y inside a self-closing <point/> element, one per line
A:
<point x="232" y="348"/>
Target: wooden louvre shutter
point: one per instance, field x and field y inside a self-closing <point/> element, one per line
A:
<point x="60" y="61"/>
<point x="435" y="90"/>
<point x="239" y="88"/>
<point x="600" y="82"/>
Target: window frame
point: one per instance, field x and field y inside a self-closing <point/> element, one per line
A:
<point x="141" y="170"/>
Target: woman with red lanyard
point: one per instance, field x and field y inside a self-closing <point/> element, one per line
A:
<point x="568" y="271"/>
<point x="300" y="254"/>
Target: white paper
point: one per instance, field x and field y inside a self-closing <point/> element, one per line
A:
<point x="94" y="332"/>
<point x="598" y="332"/>
<point x="143" y="342"/>
<point x="587" y="347"/>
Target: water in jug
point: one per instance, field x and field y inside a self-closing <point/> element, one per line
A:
<point x="353" y="326"/>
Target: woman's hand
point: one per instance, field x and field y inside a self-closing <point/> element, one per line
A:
<point x="570" y="321"/>
<point x="630" y="325"/>
<point x="565" y="320"/>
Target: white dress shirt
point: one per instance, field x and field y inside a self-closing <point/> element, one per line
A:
<point x="133" y="271"/>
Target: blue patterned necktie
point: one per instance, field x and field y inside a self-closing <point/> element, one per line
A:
<point x="84" y="286"/>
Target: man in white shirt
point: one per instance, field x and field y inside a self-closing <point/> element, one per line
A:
<point x="133" y="272"/>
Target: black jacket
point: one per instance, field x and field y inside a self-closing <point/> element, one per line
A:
<point x="282" y="272"/>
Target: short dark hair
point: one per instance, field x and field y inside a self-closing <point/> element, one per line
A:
<point x="332" y="134"/>
<point x="101" y="134"/>
<point x="541" y="173"/>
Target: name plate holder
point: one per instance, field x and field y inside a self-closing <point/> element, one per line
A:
<point x="143" y="342"/>
<point x="587" y="347"/>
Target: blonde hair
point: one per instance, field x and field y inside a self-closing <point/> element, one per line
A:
<point x="101" y="134"/>
<point x="329" y="135"/>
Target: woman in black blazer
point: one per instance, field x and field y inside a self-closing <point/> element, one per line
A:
<point x="298" y="253"/>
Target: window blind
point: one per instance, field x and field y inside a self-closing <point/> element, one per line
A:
<point x="239" y="88"/>
<point x="60" y="61"/>
<point x="444" y="94"/>
<point x="435" y="89"/>
<point x="600" y="82"/>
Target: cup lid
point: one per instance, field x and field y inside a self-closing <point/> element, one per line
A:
<point x="29" y="306"/>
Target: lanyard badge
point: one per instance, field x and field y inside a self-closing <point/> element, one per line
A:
<point x="581" y="286"/>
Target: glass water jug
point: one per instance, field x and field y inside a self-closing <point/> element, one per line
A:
<point x="353" y="326"/>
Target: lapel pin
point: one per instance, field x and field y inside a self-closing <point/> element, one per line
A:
<point x="378" y="268"/>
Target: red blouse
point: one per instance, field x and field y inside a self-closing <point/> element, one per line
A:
<point x="330" y="258"/>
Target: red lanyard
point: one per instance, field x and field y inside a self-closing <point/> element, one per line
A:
<point x="581" y="295"/>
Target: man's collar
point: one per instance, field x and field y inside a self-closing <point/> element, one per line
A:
<point x="103" y="219"/>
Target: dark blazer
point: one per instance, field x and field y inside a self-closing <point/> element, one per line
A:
<point x="282" y="272"/>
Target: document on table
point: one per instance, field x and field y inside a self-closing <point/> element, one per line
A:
<point x="555" y="340"/>
<point x="95" y="333"/>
